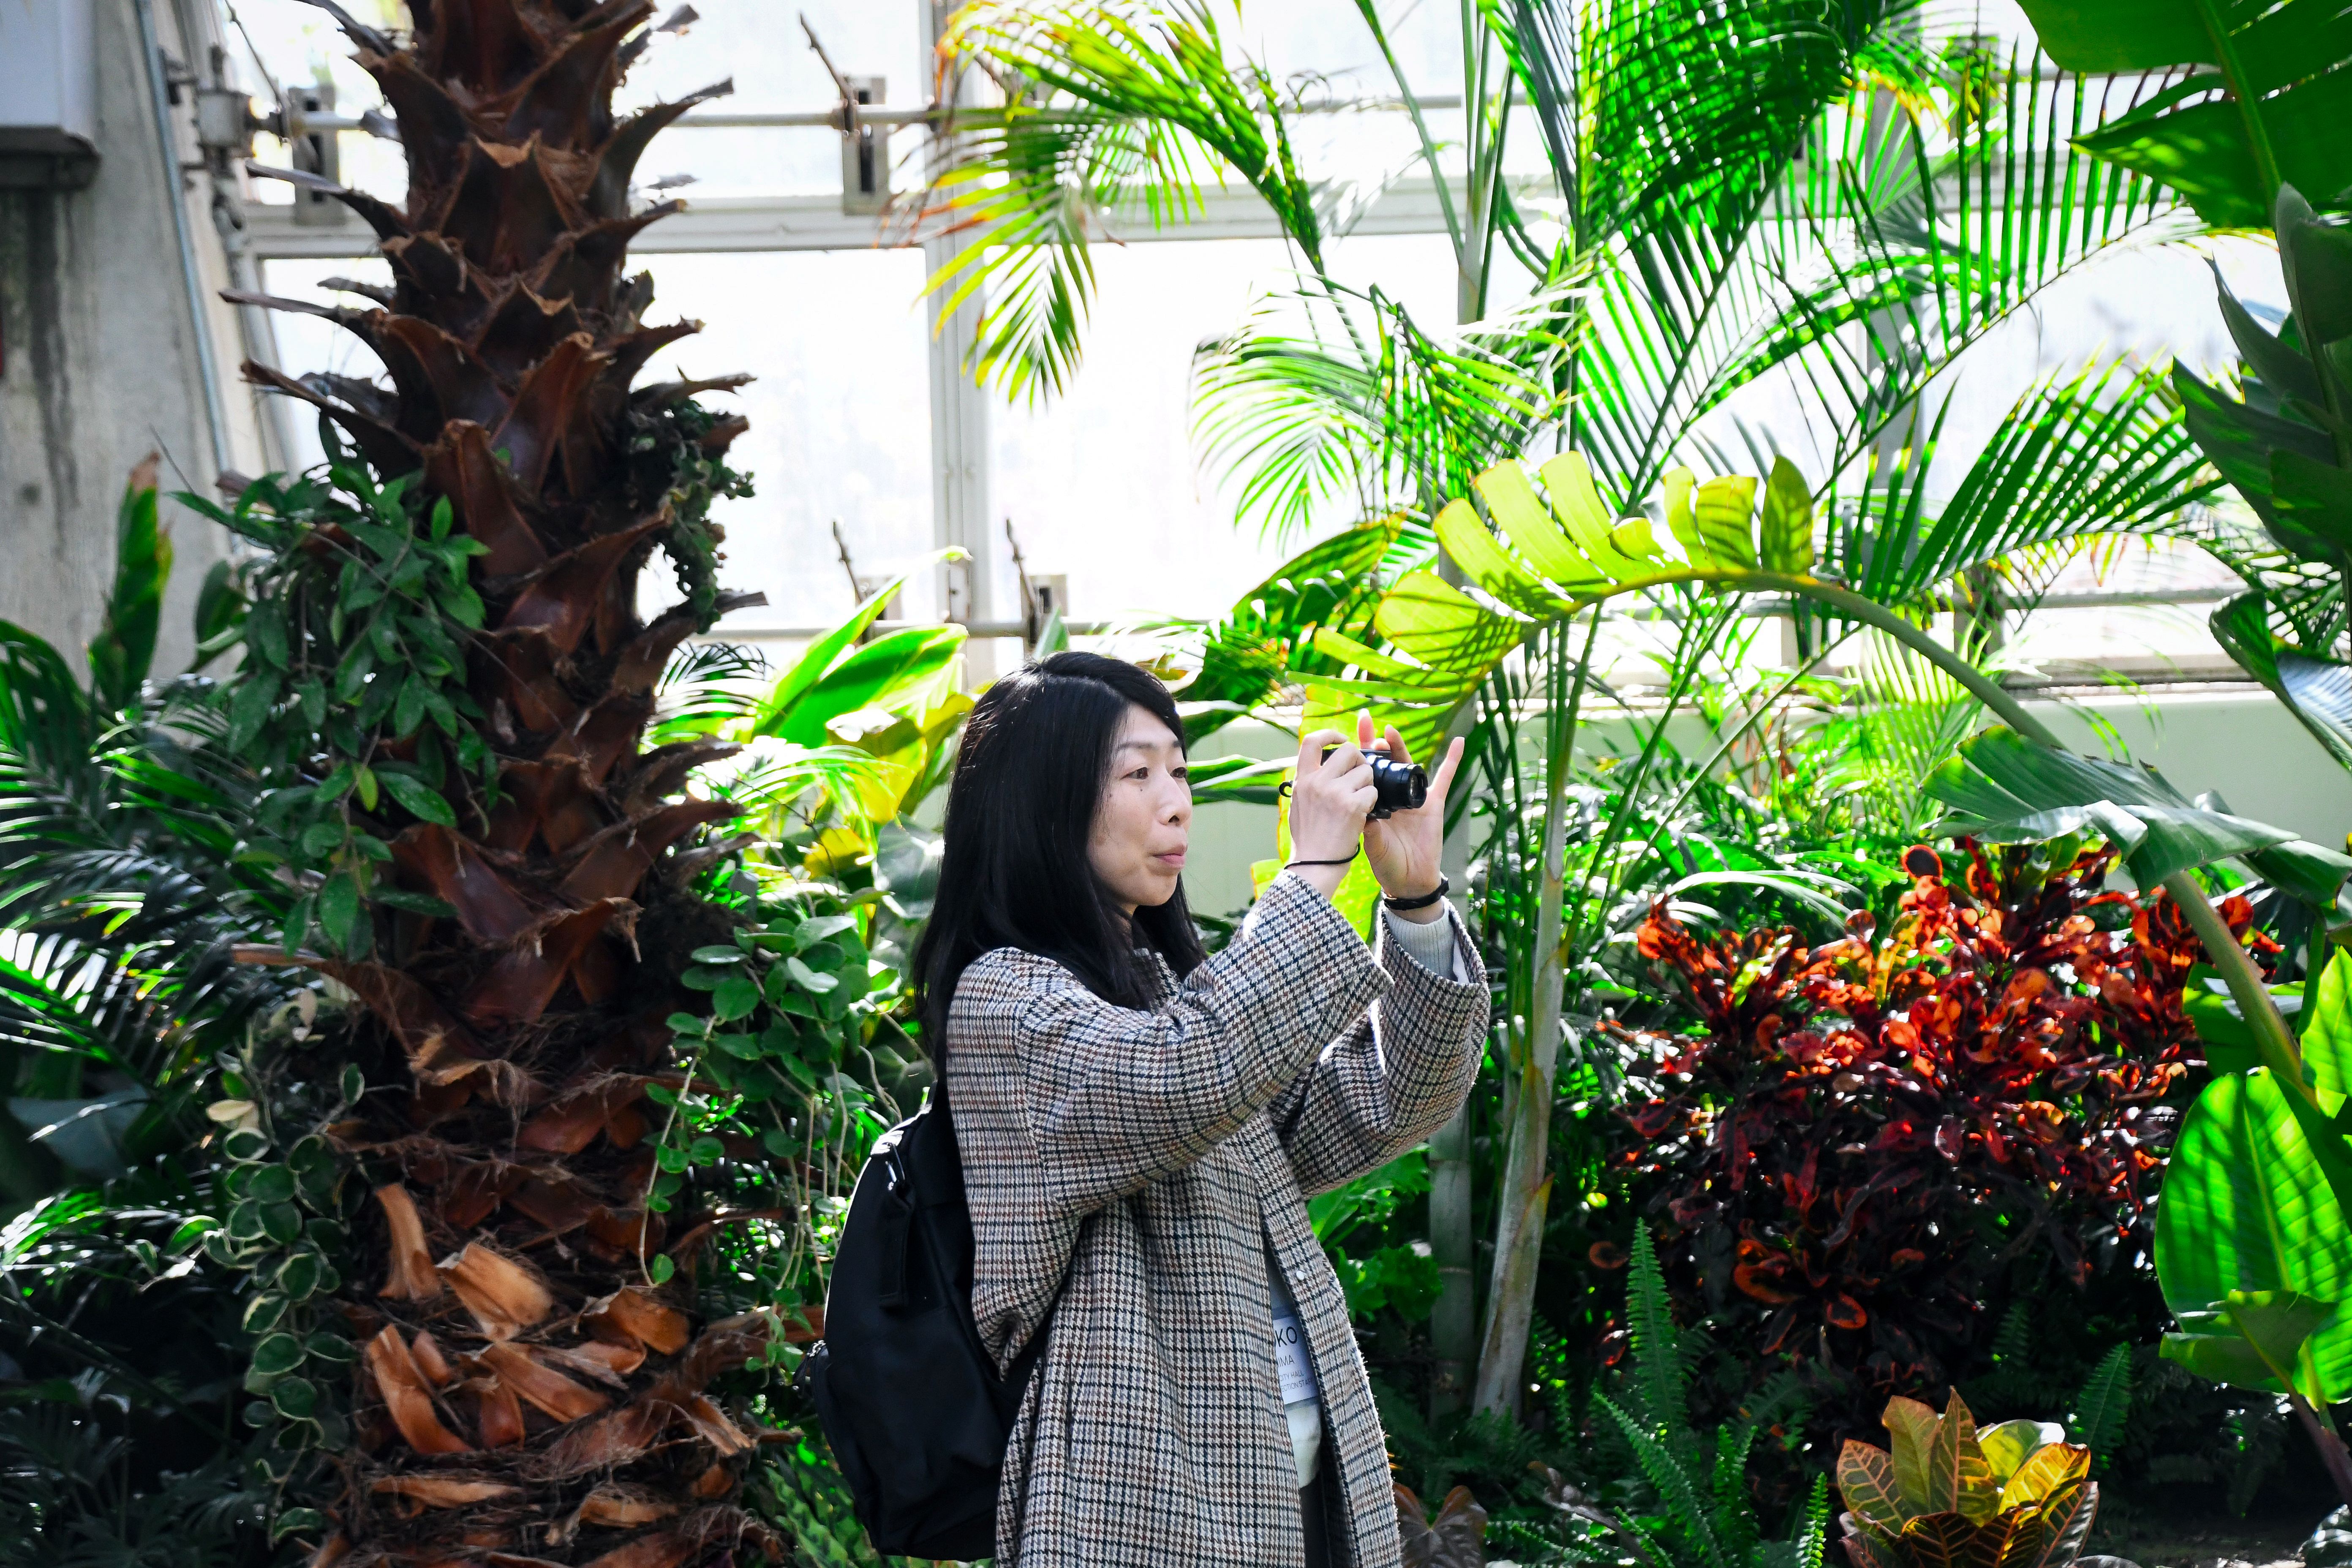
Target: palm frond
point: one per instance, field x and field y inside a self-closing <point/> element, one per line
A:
<point x="1111" y="106"/>
<point x="2099" y="450"/>
<point x="704" y="688"/>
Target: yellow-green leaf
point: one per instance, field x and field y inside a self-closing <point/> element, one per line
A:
<point x="1787" y="525"/>
<point x="1912" y="1428"/>
<point x="1532" y="528"/>
<point x="2008" y="1446"/>
<point x="1634" y="540"/>
<point x="1372" y="662"/>
<point x="1438" y="623"/>
<point x="1681" y="522"/>
<point x="1488" y="563"/>
<point x="1955" y="1464"/>
<point x="1727" y="519"/>
<point x="1576" y="503"/>
<point x="2043" y="1472"/>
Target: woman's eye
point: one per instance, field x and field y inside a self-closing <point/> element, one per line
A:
<point x="1179" y="774"/>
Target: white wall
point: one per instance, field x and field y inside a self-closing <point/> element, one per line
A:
<point x="101" y="364"/>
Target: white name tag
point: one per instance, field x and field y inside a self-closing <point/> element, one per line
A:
<point x="1291" y="1360"/>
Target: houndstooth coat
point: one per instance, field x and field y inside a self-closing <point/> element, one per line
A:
<point x="1152" y="1156"/>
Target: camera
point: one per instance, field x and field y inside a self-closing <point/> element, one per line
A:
<point x="1396" y="786"/>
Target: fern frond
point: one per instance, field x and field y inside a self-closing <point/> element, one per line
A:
<point x="2105" y="1405"/>
<point x="1813" y="1537"/>
<point x="1658" y="1374"/>
<point x="1683" y="1495"/>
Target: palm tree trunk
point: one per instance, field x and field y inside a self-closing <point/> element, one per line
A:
<point x="1523" y="1196"/>
<point x="531" y="1361"/>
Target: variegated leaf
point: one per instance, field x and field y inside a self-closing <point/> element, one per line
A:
<point x="1911" y="1427"/>
<point x="1866" y="1547"/>
<point x="1956" y="1467"/>
<point x="1866" y="1480"/>
<point x="1953" y="1541"/>
<point x="2009" y="1445"/>
<point x="2045" y="1472"/>
<point x="2067" y="1514"/>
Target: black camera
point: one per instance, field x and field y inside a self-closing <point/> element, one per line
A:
<point x="1396" y="786"/>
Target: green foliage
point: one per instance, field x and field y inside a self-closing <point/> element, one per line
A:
<point x="2259" y="101"/>
<point x="773" y="1109"/>
<point x="1356" y="1224"/>
<point x="70" y="1496"/>
<point x="2285" y="450"/>
<point x="1108" y="108"/>
<point x="1697" y="1509"/>
<point x="284" y="1202"/>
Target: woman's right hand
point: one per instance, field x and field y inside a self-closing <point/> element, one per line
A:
<point x="1330" y="798"/>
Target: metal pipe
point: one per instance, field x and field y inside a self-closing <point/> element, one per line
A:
<point x="830" y="119"/>
<point x="207" y="366"/>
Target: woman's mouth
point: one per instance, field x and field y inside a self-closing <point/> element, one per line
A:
<point x="1171" y="859"/>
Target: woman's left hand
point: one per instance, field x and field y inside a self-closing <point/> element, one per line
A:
<point x="1406" y="849"/>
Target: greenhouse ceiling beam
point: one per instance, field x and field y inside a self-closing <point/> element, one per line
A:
<point x="817" y="223"/>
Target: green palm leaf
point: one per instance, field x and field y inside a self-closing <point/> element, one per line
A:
<point x="1113" y="105"/>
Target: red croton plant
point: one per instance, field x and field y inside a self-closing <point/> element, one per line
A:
<point x="1860" y="1139"/>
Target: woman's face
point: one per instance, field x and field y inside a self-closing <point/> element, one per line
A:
<point x="1137" y="847"/>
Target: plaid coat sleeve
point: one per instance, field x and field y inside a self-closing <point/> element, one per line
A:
<point x="1395" y="1077"/>
<point x="1117" y="1098"/>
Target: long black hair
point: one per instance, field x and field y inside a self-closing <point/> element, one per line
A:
<point x="1028" y="780"/>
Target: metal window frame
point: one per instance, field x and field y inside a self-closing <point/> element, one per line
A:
<point x="960" y="409"/>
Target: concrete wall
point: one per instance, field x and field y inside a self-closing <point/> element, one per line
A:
<point x="101" y="359"/>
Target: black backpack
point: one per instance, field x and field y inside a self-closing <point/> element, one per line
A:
<point x="911" y="1400"/>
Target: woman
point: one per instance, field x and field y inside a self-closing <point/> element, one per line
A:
<point x="1140" y="1125"/>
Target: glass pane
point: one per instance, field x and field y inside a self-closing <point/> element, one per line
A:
<point x="840" y="414"/>
<point x="307" y="345"/>
<point x="1102" y="485"/>
<point x="841" y="424"/>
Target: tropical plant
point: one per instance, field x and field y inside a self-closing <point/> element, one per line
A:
<point x="2265" y="1184"/>
<point x="2286" y="451"/>
<point x="1455" y="1536"/>
<point x="1542" y="564"/>
<point x="120" y="1445"/>
<point x="121" y="893"/>
<point x="2253" y="1245"/>
<point x="456" y="1179"/>
<point x="2255" y="105"/>
<point x="1735" y="193"/>
<point x="1863" y="1143"/>
<point x="2016" y="1493"/>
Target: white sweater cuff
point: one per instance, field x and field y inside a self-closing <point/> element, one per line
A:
<point x="1429" y="943"/>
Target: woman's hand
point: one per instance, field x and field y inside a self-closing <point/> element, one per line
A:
<point x="1329" y="799"/>
<point x="1406" y="849"/>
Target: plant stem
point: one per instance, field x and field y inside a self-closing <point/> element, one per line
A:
<point x="2330" y="1443"/>
<point x="1526" y="1189"/>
